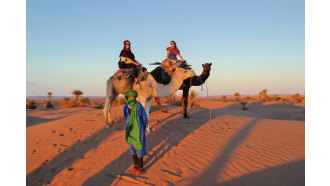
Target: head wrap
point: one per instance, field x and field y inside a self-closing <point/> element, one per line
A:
<point x="128" y="94"/>
<point x="126" y="48"/>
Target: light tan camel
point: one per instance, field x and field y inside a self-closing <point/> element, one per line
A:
<point x="149" y="89"/>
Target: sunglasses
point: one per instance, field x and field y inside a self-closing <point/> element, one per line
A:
<point x="127" y="44"/>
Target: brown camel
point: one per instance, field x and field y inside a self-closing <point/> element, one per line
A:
<point x="195" y="81"/>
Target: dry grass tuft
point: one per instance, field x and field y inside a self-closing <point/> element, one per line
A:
<point x="31" y="105"/>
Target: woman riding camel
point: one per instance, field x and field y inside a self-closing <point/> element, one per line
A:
<point x="127" y="60"/>
<point x="173" y="51"/>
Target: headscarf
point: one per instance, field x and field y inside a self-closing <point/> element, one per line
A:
<point x="126" y="48"/>
<point x="128" y="94"/>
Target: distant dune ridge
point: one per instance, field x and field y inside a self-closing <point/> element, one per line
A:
<point x="264" y="145"/>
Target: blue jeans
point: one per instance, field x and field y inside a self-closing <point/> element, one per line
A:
<point x="133" y="151"/>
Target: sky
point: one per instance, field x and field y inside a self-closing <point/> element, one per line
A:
<point x="253" y="45"/>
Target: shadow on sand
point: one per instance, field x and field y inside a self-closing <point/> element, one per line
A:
<point x="162" y="136"/>
<point x="32" y="120"/>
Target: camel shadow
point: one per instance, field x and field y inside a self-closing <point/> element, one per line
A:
<point x="32" y="120"/>
<point x="49" y="169"/>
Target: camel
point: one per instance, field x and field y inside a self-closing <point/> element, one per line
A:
<point x="150" y="88"/>
<point x="195" y="81"/>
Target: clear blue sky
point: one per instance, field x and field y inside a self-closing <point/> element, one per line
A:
<point x="253" y="44"/>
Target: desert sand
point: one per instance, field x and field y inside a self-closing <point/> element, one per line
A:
<point x="264" y="145"/>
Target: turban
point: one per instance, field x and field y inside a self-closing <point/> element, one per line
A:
<point x="130" y="93"/>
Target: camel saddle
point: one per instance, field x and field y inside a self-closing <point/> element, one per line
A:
<point x="163" y="74"/>
<point x="128" y="73"/>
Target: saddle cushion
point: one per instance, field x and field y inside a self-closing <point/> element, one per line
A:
<point x="161" y="76"/>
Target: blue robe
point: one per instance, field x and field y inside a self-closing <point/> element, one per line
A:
<point x="143" y="123"/>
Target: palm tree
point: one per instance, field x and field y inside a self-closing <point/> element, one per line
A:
<point x="77" y="93"/>
<point x="49" y="95"/>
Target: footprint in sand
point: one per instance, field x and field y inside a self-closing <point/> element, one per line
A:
<point x="53" y="131"/>
<point x="33" y="151"/>
<point x="70" y="169"/>
<point x="61" y="134"/>
<point x="55" y="145"/>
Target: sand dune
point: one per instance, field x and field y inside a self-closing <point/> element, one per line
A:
<point x="264" y="145"/>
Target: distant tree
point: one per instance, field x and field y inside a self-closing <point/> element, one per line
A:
<point x="49" y="94"/>
<point x="77" y="93"/>
<point x="224" y="98"/>
<point x="237" y="96"/>
<point x="263" y="95"/>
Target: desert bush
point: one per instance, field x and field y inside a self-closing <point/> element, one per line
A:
<point x="247" y="98"/>
<point x="97" y="105"/>
<point x="296" y="97"/>
<point x="237" y="96"/>
<point x="67" y="103"/>
<point x="83" y="102"/>
<point x="31" y="105"/>
<point x="119" y="101"/>
<point x="174" y="100"/>
<point x="244" y="105"/>
<point x="224" y="98"/>
<point x="48" y="104"/>
<point x="194" y="102"/>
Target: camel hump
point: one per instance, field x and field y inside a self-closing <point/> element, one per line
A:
<point x="161" y="76"/>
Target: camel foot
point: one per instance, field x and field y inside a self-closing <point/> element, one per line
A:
<point x="148" y="130"/>
<point x="186" y="116"/>
<point x="164" y="111"/>
<point x="108" y="126"/>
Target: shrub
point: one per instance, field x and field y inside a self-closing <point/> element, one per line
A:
<point x="244" y="103"/>
<point x="83" y="102"/>
<point x="237" y="96"/>
<point x="174" y="100"/>
<point x="224" y="98"/>
<point x="31" y="105"/>
<point x="67" y="103"/>
<point x="97" y="105"/>
<point x="48" y="104"/>
<point x="296" y="97"/>
<point x="194" y="102"/>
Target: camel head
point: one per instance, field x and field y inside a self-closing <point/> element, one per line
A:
<point x="207" y="67"/>
<point x="182" y="73"/>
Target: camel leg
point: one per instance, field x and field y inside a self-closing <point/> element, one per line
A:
<point x="160" y="106"/>
<point x="147" y="108"/>
<point x="185" y="102"/>
<point x="111" y="96"/>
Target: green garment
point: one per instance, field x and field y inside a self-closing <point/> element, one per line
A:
<point x="133" y="129"/>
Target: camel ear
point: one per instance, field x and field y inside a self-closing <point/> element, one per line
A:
<point x="210" y="64"/>
<point x="202" y="65"/>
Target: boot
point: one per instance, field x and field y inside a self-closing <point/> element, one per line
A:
<point x="135" y="160"/>
<point x="140" y="169"/>
<point x="140" y="164"/>
<point x="136" y="165"/>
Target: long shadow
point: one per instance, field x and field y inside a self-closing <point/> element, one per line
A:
<point x="48" y="170"/>
<point x="292" y="173"/>
<point x="218" y="165"/>
<point x="32" y="120"/>
<point x="168" y="128"/>
<point x="280" y="111"/>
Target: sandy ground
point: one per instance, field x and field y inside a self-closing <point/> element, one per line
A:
<point x="264" y="145"/>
